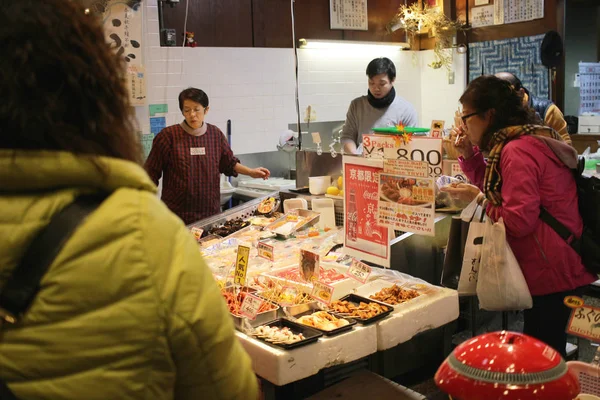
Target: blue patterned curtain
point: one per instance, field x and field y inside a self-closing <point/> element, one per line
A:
<point x="520" y="56"/>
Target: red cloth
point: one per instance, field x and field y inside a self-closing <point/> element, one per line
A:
<point x="191" y="182"/>
<point x="534" y="176"/>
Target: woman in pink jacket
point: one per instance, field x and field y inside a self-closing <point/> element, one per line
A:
<point x="527" y="167"/>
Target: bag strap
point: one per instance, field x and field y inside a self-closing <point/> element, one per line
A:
<point x="555" y="224"/>
<point x="24" y="283"/>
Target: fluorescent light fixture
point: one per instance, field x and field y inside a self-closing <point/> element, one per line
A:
<point x="351" y="45"/>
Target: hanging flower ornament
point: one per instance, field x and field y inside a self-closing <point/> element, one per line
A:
<point x="402" y="137"/>
<point x="416" y="19"/>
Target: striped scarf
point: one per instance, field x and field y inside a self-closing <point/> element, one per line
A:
<point x="492" y="183"/>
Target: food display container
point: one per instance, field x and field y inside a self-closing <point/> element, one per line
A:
<point x="318" y="184"/>
<point x="356" y="299"/>
<point x="311" y="335"/>
<point x="300" y="310"/>
<point x="281" y="228"/>
<point x="260" y="319"/>
<point x="377" y="285"/>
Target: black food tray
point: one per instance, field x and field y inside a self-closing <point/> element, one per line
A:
<point x="354" y="298"/>
<point x="333" y="332"/>
<point x="311" y="335"/>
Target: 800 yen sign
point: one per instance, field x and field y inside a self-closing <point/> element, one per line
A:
<point x="393" y="148"/>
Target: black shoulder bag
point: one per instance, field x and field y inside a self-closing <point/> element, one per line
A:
<point x="24" y="283"/>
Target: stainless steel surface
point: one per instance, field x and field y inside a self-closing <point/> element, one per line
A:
<point x="302" y="308"/>
<point x="309" y="163"/>
<point x="244" y="210"/>
<point x="279" y="163"/>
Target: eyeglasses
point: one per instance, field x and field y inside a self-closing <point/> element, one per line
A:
<point x="190" y="112"/>
<point x="466" y="117"/>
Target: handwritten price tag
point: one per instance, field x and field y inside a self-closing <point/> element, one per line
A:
<point x="265" y="251"/>
<point x="359" y="271"/>
<point x="250" y="306"/>
<point x="585" y="322"/>
<point x="322" y="292"/>
<point x="197" y="232"/>
<point x="241" y="265"/>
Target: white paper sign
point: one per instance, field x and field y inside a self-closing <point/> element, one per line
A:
<point x="359" y="271"/>
<point x="482" y="16"/>
<point x="250" y="306"/>
<point x="348" y="15"/>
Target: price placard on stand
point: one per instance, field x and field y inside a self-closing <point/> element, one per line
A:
<point x="359" y="270"/>
<point x="250" y="306"/>
<point x="585" y="322"/>
<point x="407" y="202"/>
<point x="309" y="264"/>
<point x="197" y="232"/>
<point x="364" y="238"/>
<point x="265" y="251"/>
<point x="322" y="292"/>
<point x="241" y="265"/>
<point x="392" y="147"/>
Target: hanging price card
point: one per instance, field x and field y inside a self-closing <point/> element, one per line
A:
<point x="197" y="232"/>
<point x="359" y="271"/>
<point x="322" y="292"/>
<point x="265" y="251"/>
<point x="585" y="322"/>
<point x="250" y="306"/>
<point x="241" y="265"/>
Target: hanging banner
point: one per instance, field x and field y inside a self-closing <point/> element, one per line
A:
<point x="392" y="147"/>
<point x="364" y="238"/>
<point x="406" y="198"/>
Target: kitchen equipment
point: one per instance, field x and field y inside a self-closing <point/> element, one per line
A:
<point x="291" y="204"/>
<point x="326" y="208"/>
<point x="318" y="184"/>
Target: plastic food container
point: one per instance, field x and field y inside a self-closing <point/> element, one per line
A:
<point x="318" y="184"/>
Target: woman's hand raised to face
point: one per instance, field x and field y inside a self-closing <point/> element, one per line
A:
<point x="461" y="142"/>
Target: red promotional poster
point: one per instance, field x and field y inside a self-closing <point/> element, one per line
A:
<point x="364" y="238"/>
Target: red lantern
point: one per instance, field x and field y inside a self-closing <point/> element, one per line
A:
<point x="508" y="366"/>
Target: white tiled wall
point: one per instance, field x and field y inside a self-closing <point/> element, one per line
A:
<point x="254" y="87"/>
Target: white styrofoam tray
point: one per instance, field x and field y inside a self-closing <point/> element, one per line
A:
<point x="433" y="311"/>
<point x="281" y="367"/>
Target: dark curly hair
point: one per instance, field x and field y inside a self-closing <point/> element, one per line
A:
<point x="62" y="87"/>
<point x="490" y="93"/>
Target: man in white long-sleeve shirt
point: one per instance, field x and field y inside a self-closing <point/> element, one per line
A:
<point x="381" y="106"/>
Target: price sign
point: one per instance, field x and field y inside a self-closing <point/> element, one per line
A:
<point x="265" y="251"/>
<point x="359" y="271"/>
<point x="250" y="306"/>
<point x="322" y="292"/>
<point x="437" y="128"/>
<point x="585" y="322"/>
<point x="393" y="148"/>
<point x="241" y="265"/>
<point x="197" y="232"/>
<point x="309" y="262"/>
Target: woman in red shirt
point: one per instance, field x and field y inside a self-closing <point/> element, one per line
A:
<point x="190" y="157"/>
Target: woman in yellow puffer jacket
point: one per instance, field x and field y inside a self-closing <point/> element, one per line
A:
<point x="128" y="309"/>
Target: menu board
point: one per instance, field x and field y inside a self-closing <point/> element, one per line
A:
<point x="364" y="238"/>
<point x="589" y="88"/>
<point x="348" y="15"/>
<point x="511" y="11"/>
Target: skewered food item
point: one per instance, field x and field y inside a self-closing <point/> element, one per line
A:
<point x="394" y="295"/>
<point x="362" y="311"/>
<point x="323" y="320"/>
<point x="234" y="302"/>
<point x="277" y="335"/>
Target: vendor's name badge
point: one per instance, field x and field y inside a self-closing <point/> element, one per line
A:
<point x="359" y="270"/>
<point x="322" y="292"/>
<point x="197" y="151"/>
<point x="250" y="306"/>
<point x="197" y="232"/>
<point x="585" y="322"/>
<point x="265" y="251"/>
<point x="241" y="265"/>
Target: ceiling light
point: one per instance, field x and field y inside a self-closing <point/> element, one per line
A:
<point x="346" y="44"/>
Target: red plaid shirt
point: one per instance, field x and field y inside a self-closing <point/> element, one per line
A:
<point x="191" y="168"/>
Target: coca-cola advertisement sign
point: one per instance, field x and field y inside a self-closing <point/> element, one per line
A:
<point x="364" y="238"/>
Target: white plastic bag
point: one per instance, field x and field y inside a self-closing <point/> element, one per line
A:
<point x="472" y="220"/>
<point x="501" y="285"/>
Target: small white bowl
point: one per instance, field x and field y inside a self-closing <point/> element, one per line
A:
<point x="318" y="184"/>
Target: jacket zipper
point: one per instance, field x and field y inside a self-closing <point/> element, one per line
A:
<point x="540" y="247"/>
